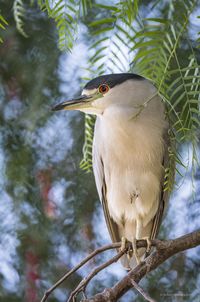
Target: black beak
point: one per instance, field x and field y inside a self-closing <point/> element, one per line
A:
<point x="73" y="104"/>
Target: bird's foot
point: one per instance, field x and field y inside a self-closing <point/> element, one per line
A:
<point x="149" y="245"/>
<point x="135" y="251"/>
<point x="129" y="252"/>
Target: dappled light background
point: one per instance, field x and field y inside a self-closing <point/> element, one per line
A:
<point x="50" y="215"/>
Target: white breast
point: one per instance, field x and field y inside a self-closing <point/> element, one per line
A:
<point x="132" y="150"/>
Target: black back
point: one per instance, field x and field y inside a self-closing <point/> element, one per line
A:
<point x="112" y="80"/>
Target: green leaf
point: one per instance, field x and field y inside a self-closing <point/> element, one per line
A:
<point x="102" y="22"/>
<point x="106" y="7"/>
<point x="3" y="24"/>
<point x="19" y="15"/>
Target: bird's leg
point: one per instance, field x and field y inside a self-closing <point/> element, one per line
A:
<point x="123" y="243"/>
<point x="148" y="240"/>
<point x="137" y="237"/>
<point x="135" y="252"/>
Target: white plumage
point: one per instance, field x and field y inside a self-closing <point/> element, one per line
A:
<point x="129" y="153"/>
<point x="129" y="140"/>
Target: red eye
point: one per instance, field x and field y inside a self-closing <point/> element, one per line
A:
<point x="104" y="88"/>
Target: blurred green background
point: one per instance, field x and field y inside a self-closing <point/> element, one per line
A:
<point x="50" y="216"/>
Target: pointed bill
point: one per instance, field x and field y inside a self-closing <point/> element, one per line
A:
<point x="81" y="102"/>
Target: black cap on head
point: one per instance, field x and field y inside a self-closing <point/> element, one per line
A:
<point x="112" y="80"/>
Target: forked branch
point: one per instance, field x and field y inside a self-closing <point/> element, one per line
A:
<point x="163" y="250"/>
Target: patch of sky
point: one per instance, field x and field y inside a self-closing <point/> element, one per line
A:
<point x="8" y="244"/>
<point x="71" y="67"/>
<point x="52" y="141"/>
<point x="13" y="109"/>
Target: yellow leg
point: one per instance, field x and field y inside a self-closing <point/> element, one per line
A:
<point x="135" y="252"/>
<point x="138" y="236"/>
<point x="123" y="243"/>
<point x="148" y="240"/>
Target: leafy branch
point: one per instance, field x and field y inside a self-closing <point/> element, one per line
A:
<point x="66" y="14"/>
<point x="19" y="15"/>
<point x="156" y="47"/>
<point x="109" y="52"/>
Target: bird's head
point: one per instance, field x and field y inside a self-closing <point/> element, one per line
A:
<point x="107" y="90"/>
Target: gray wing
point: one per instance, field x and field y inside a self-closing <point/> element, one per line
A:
<point x="98" y="168"/>
<point x="164" y="194"/>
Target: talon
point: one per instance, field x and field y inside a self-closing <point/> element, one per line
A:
<point x="148" y="240"/>
<point x="148" y="245"/>
<point x="130" y="253"/>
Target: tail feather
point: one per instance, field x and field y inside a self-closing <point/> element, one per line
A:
<point x="130" y="262"/>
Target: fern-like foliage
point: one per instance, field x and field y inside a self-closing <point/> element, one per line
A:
<point x="159" y="58"/>
<point x="84" y="6"/>
<point x="109" y="52"/>
<point x="128" y="10"/>
<point x="86" y="163"/>
<point x="3" y="23"/>
<point x="157" y="48"/>
<point x="19" y="15"/>
<point x="66" y="14"/>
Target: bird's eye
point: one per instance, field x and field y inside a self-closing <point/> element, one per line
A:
<point x="104" y="88"/>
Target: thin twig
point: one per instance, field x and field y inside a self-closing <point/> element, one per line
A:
<point x="164" y="250"/>
<point x="83" y="262"/>
<point x="83" y="284"/>
<point x="142" y="292"/>
<point x="140" y="243"/>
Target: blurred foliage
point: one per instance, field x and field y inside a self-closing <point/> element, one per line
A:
<point x="3" y="23"/>
<point x="49" y="211"/>
<point x="41" y="230"/>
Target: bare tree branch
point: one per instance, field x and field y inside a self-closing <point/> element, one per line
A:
<point x="140" y="243"/>
<point x="142" y="292"/>
<point x="164" y="250"/>
<point x="83" y="262"/>
<point x="82" y="285"/>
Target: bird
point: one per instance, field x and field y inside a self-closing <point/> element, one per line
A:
<point x="130" y="155"/>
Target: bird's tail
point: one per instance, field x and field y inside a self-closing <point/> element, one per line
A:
<point x="129" y="262"/>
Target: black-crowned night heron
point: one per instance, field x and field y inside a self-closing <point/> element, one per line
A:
<point x="129" y="154"/>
